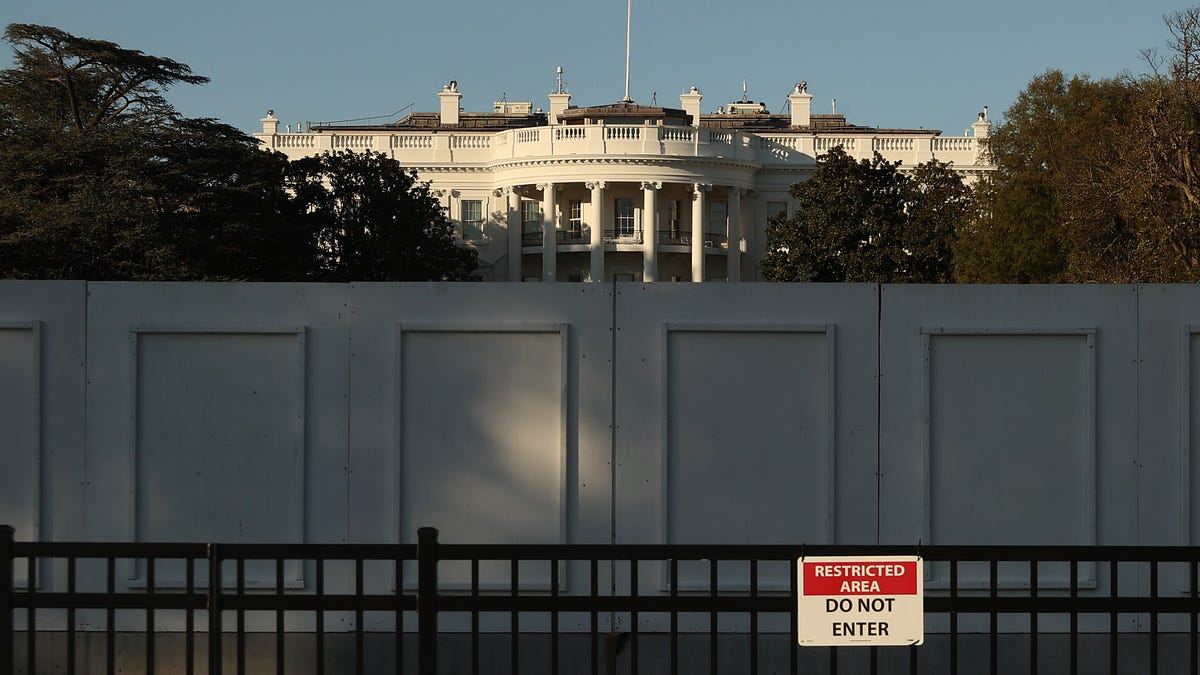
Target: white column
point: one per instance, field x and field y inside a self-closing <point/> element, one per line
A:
<point x="549" y="234"/>
<point x="733" y="259"/>
<point x="596" y="223"/>
<point x="699" y="206"/>
<point x="514" y="231"/>
<point x="650" y="229"/>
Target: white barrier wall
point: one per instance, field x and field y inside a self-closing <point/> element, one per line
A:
<point x="538" y="413"/>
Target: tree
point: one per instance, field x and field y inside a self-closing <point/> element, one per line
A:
<point x="867" y="221"/>
<point x="100" y="178"/>
<point x="1096" y="180"/>
<point x="376" y="222"/>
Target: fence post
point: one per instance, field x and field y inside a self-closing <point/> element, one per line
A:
<point x="214" y="610"/>
<point x="427" y="600"/>
<point x="6" y="598"/>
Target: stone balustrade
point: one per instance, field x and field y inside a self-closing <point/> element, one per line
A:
<point x="767" y="149"/>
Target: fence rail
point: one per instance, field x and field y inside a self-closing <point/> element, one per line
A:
<point x="211" y="585"/>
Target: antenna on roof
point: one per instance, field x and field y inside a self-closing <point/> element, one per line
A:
<point x="559" y="86"/>
<point x="835" y="106"/>
<point x="628" y="32"/>
<point x="745" y="92"/>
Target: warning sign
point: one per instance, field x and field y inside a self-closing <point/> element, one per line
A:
<point x="857" y="600"/>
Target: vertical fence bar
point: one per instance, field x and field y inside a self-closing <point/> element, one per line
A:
<point x="71" y="616"/>
<point x="475" y="616"/>
<point x="674" y="616"/>
<point x="515" y="621"/>
<point x="359" y="617"/>
<point x="427" y="602"/>
<point x="1033" y="619"/>
<point x="279" y="616"/>
<point x="993" y="616"/>
<point x="150" y="582"/>
<point x="31" y="616"/>
<point x="713" y="575"/>
<point x="320" y="636"/>
<point x="1193" y="656"/>
<point x="399" y="646"/>
<point x="1153" y="618"/>
<point x="189" y="632"/>
<point x="110" y="616"/>
<point x="1114" y="580"/>
<point x="633" y="618"/>
<point x="793" y="617"/>
<point x="554" y="618"/>
<point x="595" y="594"/>
<point x="6" y="598"/>
<point x="240" y="566"/>
<point x="214" y="609"/>
<point x="1074" y="618"/>
<point x="953" y="617"/>
<point x="754" y="618"/>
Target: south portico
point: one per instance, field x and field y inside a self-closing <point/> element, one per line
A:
<point x="622" y="229"/>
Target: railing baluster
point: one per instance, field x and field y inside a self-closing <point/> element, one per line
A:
<point x="993" y="615"/>
<point x="320" y="636"/>
<point x="712" y="617"/>
<point x="1113" y="633"/>
<point x="31" y="616"/>
<point x="475" y="616"/>
<point x="953" y="617"/>
<point x="554" y="618"/>
<point x="515" y="622"/>
<point x="1074" y="618"/>
<point x="189" y="638"/>
<point x="241" y="615"/>
<point x="359" y="617"/>
<point x="674" y="616"/>
<point x="633" y="618"/>
<point x="1033" y="619"/>
<point x="6" y="598"/>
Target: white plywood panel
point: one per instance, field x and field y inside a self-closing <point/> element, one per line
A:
<point x="1010" y="444"/>
<point x="722" y="441"/>
<point x="219" y="427"/>
<point x="731" y="403"/>
<point x="20" y="418"/>
<point x="482" y="426"/>
<point x="220" y="380"/>
<point x="484" y="411"/>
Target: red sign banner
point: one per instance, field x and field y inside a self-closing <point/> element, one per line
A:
<point x="861" y="578"/>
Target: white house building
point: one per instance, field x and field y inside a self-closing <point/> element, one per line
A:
<point x="622" y="191"/>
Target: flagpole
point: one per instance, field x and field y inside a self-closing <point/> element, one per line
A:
<point x="628" y="26"/>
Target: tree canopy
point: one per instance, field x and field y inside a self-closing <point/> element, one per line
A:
<point x="868" y="221"/>
<point x="101" y="178"/>
<point x="1096" y="180"/>
<point x="377" y="222"/>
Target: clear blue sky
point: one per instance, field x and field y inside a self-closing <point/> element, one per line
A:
<point x="930" y="64"/>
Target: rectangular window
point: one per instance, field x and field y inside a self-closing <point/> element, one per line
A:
<point x="624" y="217"/>
<point x="776" y="208"/>
<point x="718" y="218"/>
<point x="472" y="220"/>
<point x="531" y="216"/>
<point x="575" y="220"/>
<point x="674" y="208"/>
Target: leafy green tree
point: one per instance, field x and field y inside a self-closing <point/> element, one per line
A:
<point x="377" y="222"/>
<point x="867" y="221"/>
<point x="100" y="178"/>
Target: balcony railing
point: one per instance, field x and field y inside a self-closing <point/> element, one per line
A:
<point x="529" y="239"/>
<point x="582" y="235"/>
<point x="622" y="236"/>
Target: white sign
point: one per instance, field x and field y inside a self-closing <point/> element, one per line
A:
<point x="861" y="600"/>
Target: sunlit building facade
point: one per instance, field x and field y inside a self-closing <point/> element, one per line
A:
<point x="621" y="191"/>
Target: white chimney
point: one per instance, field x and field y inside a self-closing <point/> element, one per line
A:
<point x="983" y="126"/>
<point x="801" y="103"/>
<point x="691" y="104"/>
<point x="270" y="123"/>
<point x="450" y="101"/>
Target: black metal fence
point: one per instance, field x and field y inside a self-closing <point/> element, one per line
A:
<point x="625" y="608"/>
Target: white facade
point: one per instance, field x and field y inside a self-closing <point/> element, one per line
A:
<point x="622" y="191"/>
